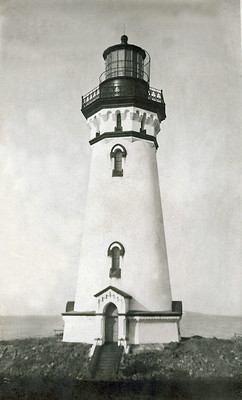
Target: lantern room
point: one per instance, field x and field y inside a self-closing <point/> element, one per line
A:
<point x="126" y="60"/>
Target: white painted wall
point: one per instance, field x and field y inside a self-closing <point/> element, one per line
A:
<point x="157" y="330"/>
<point x="81" y="328"/>
<point x="125" y="209"/>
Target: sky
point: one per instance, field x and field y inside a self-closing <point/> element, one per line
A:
<point x="50" y="55"/>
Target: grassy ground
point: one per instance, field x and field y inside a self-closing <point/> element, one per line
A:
<point x="45" y="357"/>
<point x="191" y="358"/>
<point x="47" y="368"/>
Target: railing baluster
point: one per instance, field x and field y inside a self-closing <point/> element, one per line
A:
<point x="155" y="95"/>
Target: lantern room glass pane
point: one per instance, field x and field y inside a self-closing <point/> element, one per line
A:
<point x="134" y="64"/>
<point x="114" y="56"/>
<point x="128" y="62"/>
<point x="139" y="66"/>
<point x="125" y="62"/>
<point x="121" y="60"/>
<point x="128" y="55"/>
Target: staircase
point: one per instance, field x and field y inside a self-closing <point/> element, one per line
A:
<point x="107" y="361"/>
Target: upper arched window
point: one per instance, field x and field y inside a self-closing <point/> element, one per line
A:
<point x="115" y="251"/>
<point x="117" y="153"/>
<point x="142" y="127"/>
<point x="96" y="123"/>
<point x="118" y="126"/>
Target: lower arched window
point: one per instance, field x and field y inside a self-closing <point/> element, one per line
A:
<point x="118" y="162"/>
<point x="115" y="251"/>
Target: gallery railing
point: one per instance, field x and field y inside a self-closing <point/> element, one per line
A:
<point x="116" y="89"/>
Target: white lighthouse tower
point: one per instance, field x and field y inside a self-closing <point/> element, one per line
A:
<point x="123" y="290"/>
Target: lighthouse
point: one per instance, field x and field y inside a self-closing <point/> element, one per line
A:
<point x="123" y="292"/>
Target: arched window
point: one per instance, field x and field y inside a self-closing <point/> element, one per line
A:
<point x="115" y="258"/>
<point x="115" y="251"/>
<point x="118" y="161"/>
<point x="96" y="123"/>
<point x="142" y="127"/>
<point x="118" y="126"/>
<point x="117" y="153"/>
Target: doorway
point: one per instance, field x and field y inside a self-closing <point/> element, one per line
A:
<point x="111" y="324"/>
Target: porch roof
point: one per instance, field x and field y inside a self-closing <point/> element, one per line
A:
<point x="118" y="291"/>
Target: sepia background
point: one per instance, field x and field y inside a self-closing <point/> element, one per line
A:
<point x="51" y="54"/>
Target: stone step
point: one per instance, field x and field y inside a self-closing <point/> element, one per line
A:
<point x="109" y="356"/>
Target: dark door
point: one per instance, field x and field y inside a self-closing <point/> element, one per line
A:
<point x="111" y="323"/>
